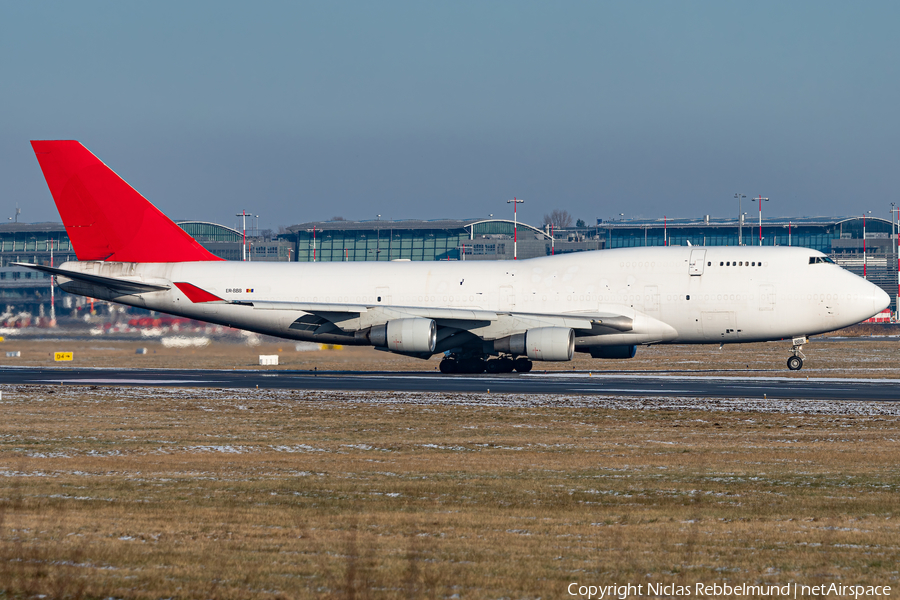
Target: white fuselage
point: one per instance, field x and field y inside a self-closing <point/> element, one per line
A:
<point x="675" y="294"/>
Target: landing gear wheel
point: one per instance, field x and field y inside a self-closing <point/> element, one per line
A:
<point x="795" y="362"/>
<point x="523" y="365"/>
<point x="499" y="365"/>
<point x="471" y="365"/>
<point x="461" y="366"/>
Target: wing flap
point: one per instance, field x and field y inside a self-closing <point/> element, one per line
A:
<point x="319" y="308"/>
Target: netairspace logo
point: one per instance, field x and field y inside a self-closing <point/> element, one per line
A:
<point x="719" y="590"/>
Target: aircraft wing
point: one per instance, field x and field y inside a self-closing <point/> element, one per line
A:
<point x="408" y="311"/>
<point x="328" y="317"/>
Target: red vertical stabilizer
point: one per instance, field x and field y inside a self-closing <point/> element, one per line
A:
<point x="106" y="219"/>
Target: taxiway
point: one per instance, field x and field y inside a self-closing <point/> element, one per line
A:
<point x="631" y="385"/>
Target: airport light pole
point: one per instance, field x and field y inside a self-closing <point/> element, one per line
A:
<point x="243" y="215"/>
<point x="864" y="245"/>
<point x="52" y="291"/>
<point x="515" y="202"/>
<point x="893" y="232"/>
<point x="760" y="217"/>
<point x="896" y="252"/>
<point x="740" y="197"/>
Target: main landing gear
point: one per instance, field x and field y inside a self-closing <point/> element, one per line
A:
<point x="456" y="363"/>
<point x="795" y="362"/>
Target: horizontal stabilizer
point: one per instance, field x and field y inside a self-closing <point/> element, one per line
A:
<point x="123" y="286"/>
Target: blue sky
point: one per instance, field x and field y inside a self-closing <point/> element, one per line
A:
<point x="304" y="111"/>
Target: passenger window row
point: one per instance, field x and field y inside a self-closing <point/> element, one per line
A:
<point x="737" y="263"/>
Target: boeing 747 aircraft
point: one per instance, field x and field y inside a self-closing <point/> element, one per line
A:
<point x="497" y="316"/>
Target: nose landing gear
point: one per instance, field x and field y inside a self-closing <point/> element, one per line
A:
<point x="795" y="362"/>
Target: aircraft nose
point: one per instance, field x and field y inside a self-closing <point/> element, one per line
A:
<point x="880" y="299"/>
<point x="868" y="299"/>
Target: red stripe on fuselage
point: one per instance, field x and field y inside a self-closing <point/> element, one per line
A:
<point x="196" y="294"/>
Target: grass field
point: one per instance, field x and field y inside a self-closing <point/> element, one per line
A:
<point x="158" y="493"/>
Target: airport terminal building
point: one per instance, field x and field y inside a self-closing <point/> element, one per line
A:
<point x="855" y="243"/>
<point x="445" y="239"/>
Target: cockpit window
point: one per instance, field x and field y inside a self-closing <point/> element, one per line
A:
<point x="814" y="260"/>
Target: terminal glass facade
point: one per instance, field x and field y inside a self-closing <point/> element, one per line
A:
<point x="807" y="233"/>
<point x="379" y="244"/>
<point x="33" y="243"/>
<point x="210" y="232"/>
<point x="405" y="240"/>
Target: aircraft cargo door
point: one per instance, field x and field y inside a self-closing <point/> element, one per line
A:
<point x="719" y="325"/>
<point x="766" y="297"/>
<point x="698" y="259"/>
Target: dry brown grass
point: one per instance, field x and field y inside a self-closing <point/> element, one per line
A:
<point x="825" y="358"/>
<point x="147" y="493"/>
<point x="867" y="329"/>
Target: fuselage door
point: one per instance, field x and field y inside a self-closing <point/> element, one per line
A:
<point x="507" y="299"/>
<point x="698" y="258"/>
<point x="383" y="295"/>
<point x="651" y="298"/>
<point x="766" y="297"/>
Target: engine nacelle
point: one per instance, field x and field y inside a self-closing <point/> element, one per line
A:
<point x="613" y="351"/>
<point x="550" y="343"/>
<point x="405" y="335"/>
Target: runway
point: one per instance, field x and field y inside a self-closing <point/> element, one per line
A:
<point x="631" y="385"/>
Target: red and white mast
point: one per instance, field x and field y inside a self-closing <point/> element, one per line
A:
<point x="516" y="202"/>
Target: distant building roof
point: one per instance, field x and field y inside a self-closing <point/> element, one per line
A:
<point x="480" y="225"/>
<point x="749" y="219"/>
<point x="204" y="231"/>
<point x="31" y="227"/>
<point x="380" y="224"/>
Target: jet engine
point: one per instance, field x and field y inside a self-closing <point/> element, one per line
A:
<point x="405" y="335"/>
<point x="543" y="343"/>
<point x="613" y="351"/>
